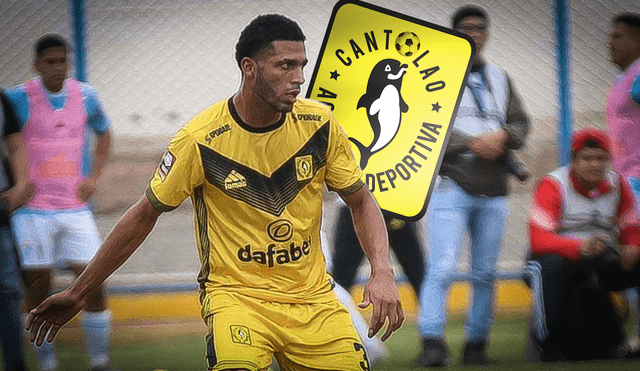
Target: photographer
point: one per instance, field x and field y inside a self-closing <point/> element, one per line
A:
<point x="585" y="242"/>
<point x="14" y="191"/>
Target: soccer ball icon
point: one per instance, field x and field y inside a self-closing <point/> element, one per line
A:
<point x="407" y="44"/>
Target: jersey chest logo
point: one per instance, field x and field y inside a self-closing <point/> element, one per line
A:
<point x="273" y="193"/>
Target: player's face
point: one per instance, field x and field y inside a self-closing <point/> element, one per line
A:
<point x="476" y="28"/>
<point x="280" y="74"/>
<point x="624" y="45"/>
<point x="589" y="165"/>
<point x="52" y="65"/>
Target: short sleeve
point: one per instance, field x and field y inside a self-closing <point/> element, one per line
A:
<point x="343" y="173"/>
<point x="97" y="118"/>
<point x="635" y="90"/>
<point x="178" y="174"/>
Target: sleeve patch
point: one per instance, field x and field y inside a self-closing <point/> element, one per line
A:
<point x="168" y="159"/>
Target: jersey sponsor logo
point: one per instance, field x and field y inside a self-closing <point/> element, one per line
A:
<point x="270" y="194"/>
<point x="168" y="159"/>
<point x="394" y="83"/>
<point x="280" y="230"/>
<point x="234" y="180"/>
<point x="276" y="254"/>
<point x="217" y="132"/>
<point x="304" y="167"/>
<point x="309" y="117"/>
<point x="240" y="334"/>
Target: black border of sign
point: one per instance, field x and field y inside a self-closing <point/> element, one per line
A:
<point x="379" y="9"/>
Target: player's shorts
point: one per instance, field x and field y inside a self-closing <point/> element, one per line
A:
<point x="60" y="239"/>
<point x="246" y="333"/>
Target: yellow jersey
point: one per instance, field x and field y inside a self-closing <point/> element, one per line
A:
<point x="257" y="198"/>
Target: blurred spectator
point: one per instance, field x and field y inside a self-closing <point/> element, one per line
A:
<point x="585" y="241"/>
<point x="14" y="188"/>
<point x="56" y="228"/>
<point x="470" y="195"/>
<point x="623" y="116"/>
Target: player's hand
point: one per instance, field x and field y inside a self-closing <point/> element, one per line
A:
<point x="87" y="188"/>
<point x="629" y="256"/>
<point x="490" y="146"/>
<point x="51" y="315"/>
<point x="593" y="246"/>
<point x="17" y="196"/>
<point x="382" y="292"/>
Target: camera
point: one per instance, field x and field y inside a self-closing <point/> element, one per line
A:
<point x="515" y="166"/>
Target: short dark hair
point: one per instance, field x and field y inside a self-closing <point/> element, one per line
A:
<point x="50" y="40"/>
<point x="468" y="11"/>
<point x="262" y="31"/>
<point x="632" y="20"/>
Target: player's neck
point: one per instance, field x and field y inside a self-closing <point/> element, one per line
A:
<point x="254" y="112"/>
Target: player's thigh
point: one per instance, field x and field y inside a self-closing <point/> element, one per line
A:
<point x="239" y="337"/>
<point x="34" y="234"/>
<point x="327" y="342"/>
<point x="80" y="240"/>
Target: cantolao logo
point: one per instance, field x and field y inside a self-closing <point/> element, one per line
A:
<point x="394" y="83"/>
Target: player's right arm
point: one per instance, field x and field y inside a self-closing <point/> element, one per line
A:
<point x="132" y="228"/>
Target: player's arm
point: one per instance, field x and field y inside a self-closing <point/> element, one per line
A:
<point x="127" y="235"/>
<point x="99" y="122"/>
<point x="21" y="190"/>
<point x="90" y="184"/>
<point x="381" y="290"/>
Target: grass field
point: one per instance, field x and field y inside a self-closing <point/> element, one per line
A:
<point x="177" y="345"/>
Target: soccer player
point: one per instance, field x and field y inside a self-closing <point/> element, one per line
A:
<point x="56" y="228"/>
<point x="254" y="166"/>
<point x="623" y="117"/>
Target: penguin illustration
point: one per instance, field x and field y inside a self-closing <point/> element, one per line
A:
<point x="384" y="105"/>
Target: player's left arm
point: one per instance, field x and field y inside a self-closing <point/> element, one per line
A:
<point x="381" y="290"/>
<point x="629" y="224"/>
<point x="99" y="122"/>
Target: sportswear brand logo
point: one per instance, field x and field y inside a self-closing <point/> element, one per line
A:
<point x="304" y="167"/>
<point x="309" y="117"/>
<point x="216" y="132"/>
<point x="168" y="159"/>
<point x="234" y="180"/>
<point x="272" y="256"/>
<point x="280" y="230"/>
<point x="240" y="334"/>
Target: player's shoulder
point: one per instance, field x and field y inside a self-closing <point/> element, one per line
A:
<point x="309" y="110"/>
<point x="16" y="91"/>
<point x="210" y="117"/>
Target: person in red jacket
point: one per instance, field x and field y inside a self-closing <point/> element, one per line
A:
<point x="585" y="242"/>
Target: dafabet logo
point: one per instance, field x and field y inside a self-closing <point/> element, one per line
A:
<point x="394" y="83"/>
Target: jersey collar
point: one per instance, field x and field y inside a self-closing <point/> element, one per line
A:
<point x="236" y="117"/>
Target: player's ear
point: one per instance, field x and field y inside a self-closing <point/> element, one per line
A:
<point x="35" y="66"/>
<point x="248" y="67"/>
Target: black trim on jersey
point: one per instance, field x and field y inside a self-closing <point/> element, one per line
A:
<point x="157" y="203"/>
<point x="202" y="217"/>
<point x="269" y="194"/>
<point x="236" y="117"/>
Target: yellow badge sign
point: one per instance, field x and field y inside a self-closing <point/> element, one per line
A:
<point x="394" y="83"/>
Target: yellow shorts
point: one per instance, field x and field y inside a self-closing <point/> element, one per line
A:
<point x="246" y="333"/>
